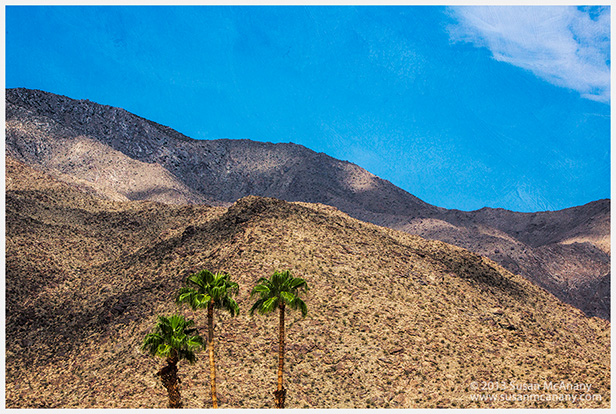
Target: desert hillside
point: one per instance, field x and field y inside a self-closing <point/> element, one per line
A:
<point x="116" y="155"/>
<point x="394" y="320"/>
<point x="566" y="252"/>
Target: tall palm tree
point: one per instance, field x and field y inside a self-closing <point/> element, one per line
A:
<point x="205" y="289"/>
<point x="173" y="340"/>
<point x="280" y="290"/>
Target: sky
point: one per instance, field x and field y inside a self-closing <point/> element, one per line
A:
<point x="463" y="107"/>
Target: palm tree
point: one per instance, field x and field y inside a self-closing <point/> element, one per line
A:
<point x="212" y="291"/>
<point x="280" y="290"/>
<point x="173" y="340"/>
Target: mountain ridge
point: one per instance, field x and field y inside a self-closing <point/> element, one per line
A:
<point x="116" y="155"/>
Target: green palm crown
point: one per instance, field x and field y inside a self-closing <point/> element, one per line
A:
<point x="280" y="289"/>
<point x="173" y="339"/>
<point x="205" y="287"/>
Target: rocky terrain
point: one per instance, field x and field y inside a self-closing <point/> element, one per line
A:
<point x="567" y="252"/>
<point x="395" y="320"/>
<point x="119" y="156"/>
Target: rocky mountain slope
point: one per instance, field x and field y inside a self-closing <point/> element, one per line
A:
<point x="120" y="156"/>
<point x="394" y="320"/>
<point x="567" y="252"/>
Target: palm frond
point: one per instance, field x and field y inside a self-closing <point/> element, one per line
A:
<point x="256" y="306"/>
<point x="288" y="297"/>
<point x="269" y="305"/>
<point x="296" y="283"/>
<point x="298" y="303"/>
<point x="261" y="288"/>
<point x="233" y="287"/>
<point x="163" y="350"/>
<point x="230" y="305"/>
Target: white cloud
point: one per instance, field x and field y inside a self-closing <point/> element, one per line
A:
<point x="566" y="46"/>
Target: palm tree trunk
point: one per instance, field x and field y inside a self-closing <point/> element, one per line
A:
<point x="169" y="378"/>
<point x="280" y="394"/>
<point x="210" y="327"/>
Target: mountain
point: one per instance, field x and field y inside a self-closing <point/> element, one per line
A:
<point x="119" y="156"/>
<point x="394" y="320"/>
<point x="108" y="146"/>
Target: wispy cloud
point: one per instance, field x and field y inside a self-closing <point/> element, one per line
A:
<point x="566" y="46"/>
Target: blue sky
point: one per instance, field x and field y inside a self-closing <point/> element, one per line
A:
<point x="464" y="107"/>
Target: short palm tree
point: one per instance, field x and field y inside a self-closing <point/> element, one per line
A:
<point x="205" y="289"/>
<point x="173" y="340"/>
<point x="280" y="290"/>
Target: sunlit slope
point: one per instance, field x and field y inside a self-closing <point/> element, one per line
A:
<point x="394" y="320"/>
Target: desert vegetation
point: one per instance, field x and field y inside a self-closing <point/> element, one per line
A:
<point x="278" y="292"/>
<point x="174" y="340"/>
<point x="206" y="290"/>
